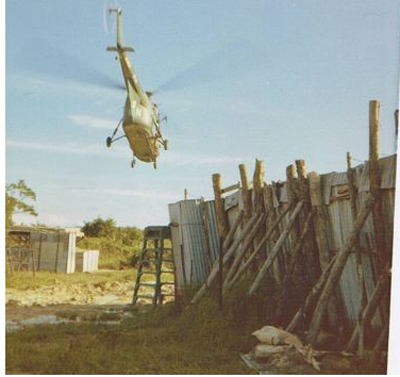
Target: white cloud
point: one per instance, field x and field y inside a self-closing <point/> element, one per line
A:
<point x="93" y="122"/>
<point x="94" y="150"/>
<point x="25" y="79"/>
<point x="127" y="193"/>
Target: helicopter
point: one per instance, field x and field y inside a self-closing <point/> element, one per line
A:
<point x="141" y="118"/>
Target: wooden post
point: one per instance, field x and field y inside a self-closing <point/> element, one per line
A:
<point x="57" y="251"/>
<point x="267" y="264"/>
<point x="222" y="219"/>
<point x="337" y="270"/>
<point x="375" y="181"/>
<point x="205" y="233"/>
<point x="258" y="186"/>
<point x="245" y="192"/>
<point x="258" y="202"/>
<point x="185" y="194"/>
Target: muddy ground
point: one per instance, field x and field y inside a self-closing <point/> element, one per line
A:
<point x="60" y="302"/>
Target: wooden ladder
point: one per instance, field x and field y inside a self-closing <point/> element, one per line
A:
<point x="152" y="261"/>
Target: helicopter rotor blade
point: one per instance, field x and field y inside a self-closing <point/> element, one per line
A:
<point x="47" y="60"/>
<point x="241" y="57"/>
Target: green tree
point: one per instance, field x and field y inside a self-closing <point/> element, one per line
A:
<point x="17" y="195"/>
<point x="99" y="228"/>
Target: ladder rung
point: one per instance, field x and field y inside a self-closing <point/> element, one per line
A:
<point x="168" y="283"/>
<point x="144" y="296"/>
<point x="167" y="271"/>
<point x="148" y="261"/>
<point x="147" y="272"/>
<point x="147" y="284"/>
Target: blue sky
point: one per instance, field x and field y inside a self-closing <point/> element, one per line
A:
<point x="274" y="80"/>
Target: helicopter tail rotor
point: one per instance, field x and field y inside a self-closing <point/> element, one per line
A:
<point x="109" y="21"/>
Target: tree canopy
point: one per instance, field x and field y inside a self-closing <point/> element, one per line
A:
<point x="17" y="195"/>
<point x="99" y="228"/>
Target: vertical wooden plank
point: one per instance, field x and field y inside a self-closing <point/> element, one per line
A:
<point x="57" y="251"/>
<point x="222" y="219"/>
<point x="245" y="193"/>
<point x="258" y="204"/>
<point x="357" y="249"/>
<point x="292" y="196"/>
<point x="223" y="228"/>
<point x="375" y="181"/>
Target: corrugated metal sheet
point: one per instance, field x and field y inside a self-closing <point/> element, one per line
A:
<point x="191" y="261"/>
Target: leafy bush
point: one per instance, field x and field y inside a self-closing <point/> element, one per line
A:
<point x="119" y="246"/>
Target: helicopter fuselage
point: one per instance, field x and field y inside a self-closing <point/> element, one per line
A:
<point x="140" y="121"/>
<point x="139" y="129"/>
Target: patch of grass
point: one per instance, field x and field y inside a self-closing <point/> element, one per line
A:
<point x="199" y="340"/>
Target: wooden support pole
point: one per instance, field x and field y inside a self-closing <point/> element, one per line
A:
<point x="226" y="256"/>
<point x="231" y="188"/>
<point x="337" y="270"/>
<point x="245" y="246"/>
<point x="267" y="264"/>
<point x="232" y="231"/>
<point x="381" y="288"/>
<point x="245" y="192"/>
<point x="310" y="244"/>
<point x="291" y="191"/>
<point x="310" y="300"/>
<point x="258" y="201"/>
<point x="303" y="184"/>
<point x="375" y="181"/>
<point x="222" y="219"/>
<point x="294" y="259"/>
<point x="244" y="266"/>
<point x="292" y="196"/>
<point x="205" y="233"/>
<point x="258" y="187"/>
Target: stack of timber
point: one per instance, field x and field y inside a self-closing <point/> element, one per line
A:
<point x="325" y="238"/>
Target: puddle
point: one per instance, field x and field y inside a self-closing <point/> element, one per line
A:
<point x="52" y="319"/>
<point x="109" y="317"/>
